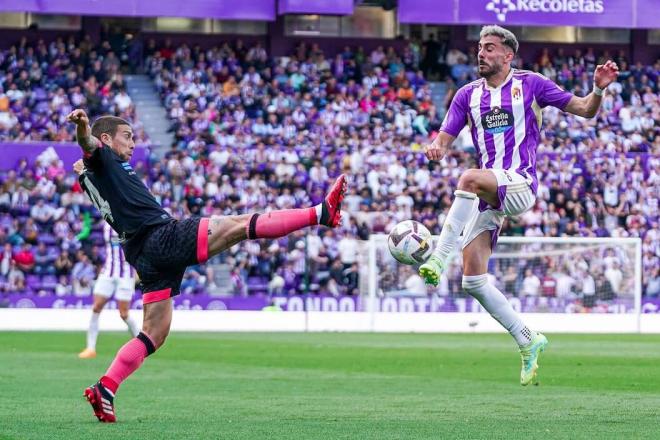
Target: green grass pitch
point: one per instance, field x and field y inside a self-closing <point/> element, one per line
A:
<point x="336" y="386"/>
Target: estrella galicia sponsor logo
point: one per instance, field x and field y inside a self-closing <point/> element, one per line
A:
<point x="497" y="120"/>
<point x="502" y="7"/>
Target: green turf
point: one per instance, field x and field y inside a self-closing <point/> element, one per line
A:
<point x="336" y="386"/>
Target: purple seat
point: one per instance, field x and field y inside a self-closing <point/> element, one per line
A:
<point x="48" y="282"/>
<point x="32" y="281"/>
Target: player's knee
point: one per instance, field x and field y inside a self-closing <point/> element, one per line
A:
<point x="470" y="181"/>
<point x="123" y="314"/>
<point x="159" y="341"/>
<point x="97" y="308"/>
<point x="231" y="228"/>
<point x="473" y="284"/>
<point x="153" y="339"/>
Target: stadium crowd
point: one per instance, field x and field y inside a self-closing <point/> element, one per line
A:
<point x="41" y="83"/>
<point x="255" y="132"/>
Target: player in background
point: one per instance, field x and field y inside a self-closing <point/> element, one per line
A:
<point x="503" y="112"/>
<point x="160" y="247"/>
<point x="116" y="278"/>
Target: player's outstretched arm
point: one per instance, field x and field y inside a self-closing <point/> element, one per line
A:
<point x="83" y="131"/>
<point x="439" y="146"/>
<point x="588" y="106"/>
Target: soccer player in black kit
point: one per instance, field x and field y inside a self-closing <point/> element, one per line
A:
<point x="160" y="247"/>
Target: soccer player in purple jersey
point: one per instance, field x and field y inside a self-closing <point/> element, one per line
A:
<point x="160" y="247"/>
<point x="503" y="112"/>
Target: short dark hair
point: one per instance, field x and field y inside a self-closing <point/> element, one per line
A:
<point x="107" y="124"/>
<point x="508" y="38"/>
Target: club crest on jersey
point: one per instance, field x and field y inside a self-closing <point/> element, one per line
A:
<point x="516" y="93"/>
<point x="497" y="120"/>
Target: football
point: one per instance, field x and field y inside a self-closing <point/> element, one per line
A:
<point x="410" y="242"/>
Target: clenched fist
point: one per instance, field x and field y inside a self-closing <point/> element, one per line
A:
<point x="435" y="151"/>
<point x="78" y="117"/>
<point x="79" y="167"/>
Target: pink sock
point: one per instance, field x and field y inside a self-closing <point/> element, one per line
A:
<point x="277" y="224"/>
<point x="128" y="359"/>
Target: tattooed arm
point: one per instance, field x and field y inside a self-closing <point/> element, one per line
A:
<point x="83" y="131"/>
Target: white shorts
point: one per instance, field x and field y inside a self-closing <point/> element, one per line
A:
<point x="516" y="197"/>
<point x="122" y="288"/>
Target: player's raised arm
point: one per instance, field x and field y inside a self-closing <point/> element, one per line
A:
<point x="83" y="131"/>
<point x="588" y="106"/>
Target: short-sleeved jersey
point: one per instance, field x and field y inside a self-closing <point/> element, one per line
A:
<point x="505" y="122"/>
<point x="115" y="265"/>
<point x="121" y="197"/>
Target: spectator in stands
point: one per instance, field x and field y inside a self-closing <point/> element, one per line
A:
<point x="6" y="259"/>
<point x="24" y="258"/>
<point x="63" y="287"/>
<point x="614" y="275"/>
<point x="531" y="285"/>
<point x="588" y="288"/>
<point x="653" y="283"/>
<point x="44" y="259"/>
<point x="63" y="263"/>
<point x="15" y="278"/>
<point x="42" y="213"/>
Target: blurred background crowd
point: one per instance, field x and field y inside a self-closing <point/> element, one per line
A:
<point x="254" y="132"/>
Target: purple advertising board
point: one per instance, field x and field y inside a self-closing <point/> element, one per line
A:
<point x="586" y="13"/>
<point x="647" y="14"/>
<point x="428" y="11"/>
<point x="334" y="7"/>
<point x="13" y="152"/>
<point x="222" y="9"/>
<point x="301" y="303"/>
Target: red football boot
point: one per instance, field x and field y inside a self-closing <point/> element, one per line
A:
<point x="331" y="207"/>
<point x="102" y="402"/>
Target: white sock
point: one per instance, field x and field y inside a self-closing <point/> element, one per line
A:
<point x="132" y="328"/>
<point x="93" y="331"/>
<point x="497" y="305"/>
<point x="458" y="216"/>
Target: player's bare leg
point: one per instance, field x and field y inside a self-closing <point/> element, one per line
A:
<point x="157" y="321"/>
<point x="93" y="330"/>
<point x="224" y="232"/>
<point x="475" y="282"/>
<point x="473" y="184"/>
<point x="155" y="328"/>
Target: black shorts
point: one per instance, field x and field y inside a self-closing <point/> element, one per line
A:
<point x="166" y="253"/>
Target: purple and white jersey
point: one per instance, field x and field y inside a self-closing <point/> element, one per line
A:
<point x="115" y="265"/>
<point x="505" y="122"/>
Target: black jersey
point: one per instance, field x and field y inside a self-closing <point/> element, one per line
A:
<point x="122" y="198"/>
